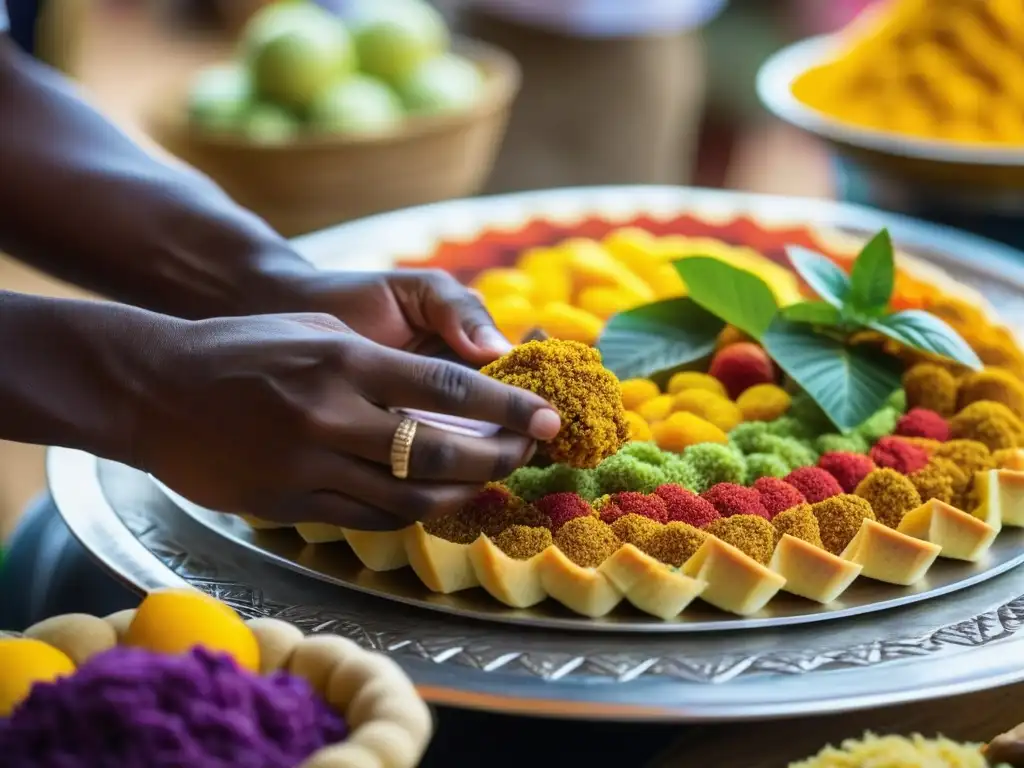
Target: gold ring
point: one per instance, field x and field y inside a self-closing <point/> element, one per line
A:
<point x="401" y="448"/>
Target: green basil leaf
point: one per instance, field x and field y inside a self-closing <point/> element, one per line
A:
<point x="814" y="312"/>
<point x="657" y="337"/>
<point x="737" y="296"/>
<point x="923" y="330"/>
<point x="873" y="277"/>
<point x="849" y="384"/>
<point x="821" y="273"/>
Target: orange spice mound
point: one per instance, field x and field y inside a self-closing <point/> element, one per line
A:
<point x="493" y="510"/>
<point x="523" y="542"/>
<point x="799" y="522"/>
<point x="751" y="534"/>
<point x="969" y="455"/>
<point x="636" y="529"/>
<point x="890" y="494"/>
<point x="587" y="541"/>
<point x="988" y="422"/>
<point x="839" y="519"/>
<point x="932" y="387"/>
<point x="570" y="376"/>
<point x="675" y="543"/>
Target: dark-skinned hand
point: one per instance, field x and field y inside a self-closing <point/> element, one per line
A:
<point x="286" y="417"/>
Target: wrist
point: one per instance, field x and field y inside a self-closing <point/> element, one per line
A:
<point x="73" y="371"/>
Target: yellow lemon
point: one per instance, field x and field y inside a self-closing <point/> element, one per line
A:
<point x="23" y="663"/>
<point x="175" y="621"/>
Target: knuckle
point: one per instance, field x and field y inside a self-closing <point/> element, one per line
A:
<point x="434" y="458"/>
<point x="446" y="382"/>
<point x="507" y="461"/>
<point x="415" y="503"/>
<point x="518" y="409"/>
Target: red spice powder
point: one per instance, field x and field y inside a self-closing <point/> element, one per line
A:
<point x="847" y="468"/>
<point x="563" y="507"/>
<point x="777" y="495"/>
<point x="731" y="499"/>
<point x="814" y="483"/>
<point x="646" y="505"/>
<point x="921" y="422"/>
<point x="685" y="506"/>
<point x="894" y="453"/>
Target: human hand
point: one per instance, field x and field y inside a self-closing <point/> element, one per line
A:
<point x="405" y="309"/>
<point x="285" y="417"/>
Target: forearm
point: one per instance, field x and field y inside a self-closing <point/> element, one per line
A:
<point x="72" y="371"/>
<point x="82" y="201"/>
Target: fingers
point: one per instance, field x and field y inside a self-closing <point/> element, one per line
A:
<point x="373" y="486"/>
<point x="438" y="455"/>
<point x="437" y="302"/>
<point x="400" y="380"/>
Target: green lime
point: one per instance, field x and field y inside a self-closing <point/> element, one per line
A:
<point x="219" y="97"/>
<point x="442" y="85"/>
<point x="360" y="104"/>
<point x="394" y="37"/>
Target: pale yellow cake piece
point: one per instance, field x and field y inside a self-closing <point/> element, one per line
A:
<point x="650" y="585"/>
<point x="735" y="582"/>
<point x="262" y="525"/>
<point x="378" y="550"/>
<point x="442" y="565"/>
<point x="586" y="591"/>
<point x="1013" y="459"/>
<point x="319" y="533"/>
<point x="811" y="571"/>
<point x="1000" y="497"/>
<point x="515" y="583"/>
<point x="890" y="556"/>
<point x="959" y="535"/>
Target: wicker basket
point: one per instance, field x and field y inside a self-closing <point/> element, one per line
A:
<point x="315" y="182"/>
<point x="389" y="723"/>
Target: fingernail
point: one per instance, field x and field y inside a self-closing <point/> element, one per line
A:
<point x="530" y="453"/>
<point x="491" y="339"/>
<point x="545" y="424"/>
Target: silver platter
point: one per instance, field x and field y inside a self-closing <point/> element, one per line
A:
<point x="931" y="649"/>
<point x="336" y="564"/>
<point x="967" y="641"/>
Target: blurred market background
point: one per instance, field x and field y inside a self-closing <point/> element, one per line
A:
<point x="605" y="98"/>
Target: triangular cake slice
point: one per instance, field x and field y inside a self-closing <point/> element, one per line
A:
<point x="442" y="565"/>
<point x="516" y="583"/>
<point x="735" y="582"/>
<point x="811" y="571"/>
<point x="586" y="591"/>
<point x="890" y="556"/>
<point x="1000" y="497"/>
<point x="649" y="584"/>
<point x="319" y="533"/>
<point x="960" y="535"/>
<point x="378" y="550"/>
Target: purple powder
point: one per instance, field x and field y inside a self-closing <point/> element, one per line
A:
<point x="129" y="708"/>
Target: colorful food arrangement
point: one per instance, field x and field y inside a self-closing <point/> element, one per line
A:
<point x="183" y="680"/>
<point x="948" y="71"/>
<point x="302" y="69"/>
<point x="773" y="429"/>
